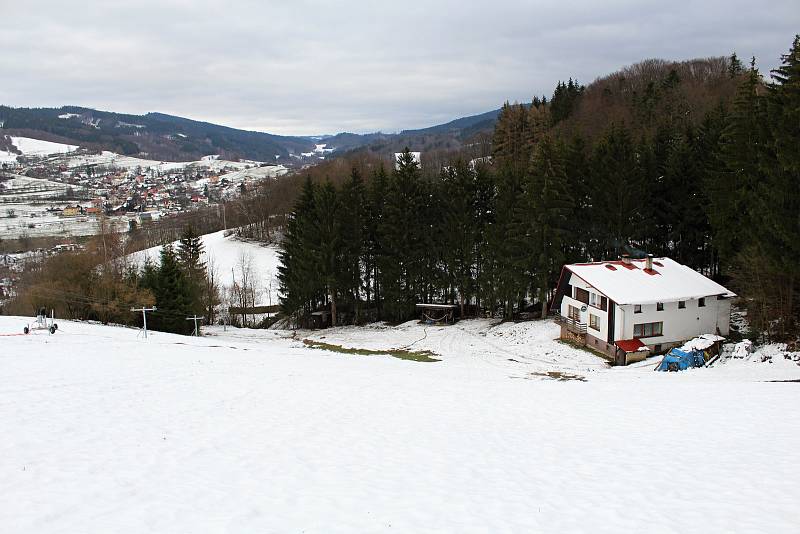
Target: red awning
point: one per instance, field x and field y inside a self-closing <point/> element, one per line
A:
<point x="629" y="345"/>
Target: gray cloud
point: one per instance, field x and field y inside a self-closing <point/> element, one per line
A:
<point x="306" y="67"/>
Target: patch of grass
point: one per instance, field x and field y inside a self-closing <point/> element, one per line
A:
<point x="403" y="354"/>
<point x="561" y="376"/>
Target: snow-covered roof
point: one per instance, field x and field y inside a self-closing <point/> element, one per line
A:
<point x="633" y="284"/>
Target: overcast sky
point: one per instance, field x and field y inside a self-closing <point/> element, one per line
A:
<point x="308" y="67"/>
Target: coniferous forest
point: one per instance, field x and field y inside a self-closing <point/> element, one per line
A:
<point x="698" y="161"/>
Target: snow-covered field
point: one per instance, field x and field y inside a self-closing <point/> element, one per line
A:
<point x="236" y="170"/>
<point x="226" y="254"/>
<point x="251" y="431"/>
<point x="34" y="220"/>
<point x="119" y="161"/>
<point x="34" y="147"/>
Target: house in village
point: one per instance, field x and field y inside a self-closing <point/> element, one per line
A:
<point x="72" y="211"/>
<point x="630" y="308"/>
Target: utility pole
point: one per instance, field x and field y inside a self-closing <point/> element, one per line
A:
<point x="195" y="318"/>
<point x="144" y="316"/>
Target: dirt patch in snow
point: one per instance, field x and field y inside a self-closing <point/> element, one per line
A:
<point x="403" y="354"/>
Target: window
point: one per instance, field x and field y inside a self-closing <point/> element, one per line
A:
<point x="598" y="301"/>
<point x="656" y="348"/>
<point x="574" y="313"/>
<point x="594" y="322"/>
<point x="701" y="302"/>
<point x="581" y="295"/>
<point x="681" y="304"/>
<point x="648" y="329"/>
<point x="637" y="308"/>
<point x="659" y="306"/>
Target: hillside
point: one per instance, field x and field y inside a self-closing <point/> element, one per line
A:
<point x="153" y="135"/>
<point x="452" y="135"/>
<point x="226" y="254"/>
<point x="648" y="95"/>
<point x="256" y="431"/>
<point x="158" y="136"/>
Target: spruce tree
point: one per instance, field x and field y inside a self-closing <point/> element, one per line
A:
<point x="173" y="295"/>
<point x="298" y="274"/>
<point x="778" y="194"/>
<point x="190" y="254"/>
<point x="730" y="187"/>
<point x="327" y="245"/>
<point x="353" y="227"/>
<point x="459" y="229"/>
<point x="549" y="200"/>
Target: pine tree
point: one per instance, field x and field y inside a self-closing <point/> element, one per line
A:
<point x="376" y="199"/>
<point x="735" y="67"/>
<point x="402" y="255"/>
<point x="190" y="253"/>
<point x="550" y="202"/>
<point x="173" y="295"/>
<point x="730" y="187"/>
<point x="778" y="194"/>
<point x="327" y="244"/>
<point x="298" y="274"/>
<point x="619" y="194"/>
<point x="353" y="227"/>
<point x="459" y="229"/>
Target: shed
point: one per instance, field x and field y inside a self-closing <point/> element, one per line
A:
<point x="437" y="313"/>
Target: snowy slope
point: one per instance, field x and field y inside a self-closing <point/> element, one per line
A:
<point x="119" y="161"/>
<point x="37" y="147"/>
<point x="34" y="147"/>
<point x="250" y="431"/>
<point x="226" y="253"/>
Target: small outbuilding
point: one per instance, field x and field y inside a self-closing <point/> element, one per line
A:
<point x="437" y="313"/>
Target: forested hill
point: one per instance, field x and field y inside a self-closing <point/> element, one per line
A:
<point x="452" y="135"/>
<point x="157" y="135"/>
<point x="696" y="161"/>
<point x="170" y="138"/>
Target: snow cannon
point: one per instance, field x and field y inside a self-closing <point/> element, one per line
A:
<point x="42" y="323"/>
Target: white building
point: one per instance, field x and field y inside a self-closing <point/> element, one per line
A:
<point x="628" y="308"/>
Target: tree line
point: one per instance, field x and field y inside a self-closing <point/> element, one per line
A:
<point x="101" y="283"/>
<point x="707" y="178"/>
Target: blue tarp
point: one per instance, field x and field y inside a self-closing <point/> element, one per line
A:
<point x="679" y="360"/>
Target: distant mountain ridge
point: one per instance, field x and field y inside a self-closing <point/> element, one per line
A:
<point x="170" y="138"/>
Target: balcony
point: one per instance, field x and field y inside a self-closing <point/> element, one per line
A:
<point x="573" y="325"/>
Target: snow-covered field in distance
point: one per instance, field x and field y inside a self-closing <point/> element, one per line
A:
<point x="35" y="221"/>
<point x="226" y="253"/>
<point x="236" y="170"/>
<point x="34" y="147"/>
<point x="251" y="431"/>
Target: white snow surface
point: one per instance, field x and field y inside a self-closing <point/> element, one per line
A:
<point x="37" y="147"/>
<point x="225" y="252"/>
<point x="634" y="286"/>
<point x="251" y="431"/>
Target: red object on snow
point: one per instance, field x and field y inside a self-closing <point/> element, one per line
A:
<point x="629" y="345"/>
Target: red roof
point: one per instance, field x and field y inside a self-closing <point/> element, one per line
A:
<point x="629" y="345"/>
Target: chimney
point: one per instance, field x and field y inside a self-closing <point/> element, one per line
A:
<point x="649" y="262"/>
<point x="626" y="259"/>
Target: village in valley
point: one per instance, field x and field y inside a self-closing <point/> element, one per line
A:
<point x="501" y="322"/>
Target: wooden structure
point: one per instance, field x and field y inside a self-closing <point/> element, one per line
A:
<point x="437" y="313"/>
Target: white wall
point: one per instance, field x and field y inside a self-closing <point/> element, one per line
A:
<point x="679" y="324"/>
<point x="576" y="281"/>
